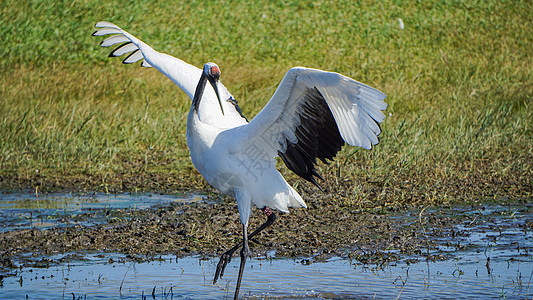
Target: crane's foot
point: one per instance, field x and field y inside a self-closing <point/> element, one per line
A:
<point x="223" y="262"/>
<point x="226" y="257"/>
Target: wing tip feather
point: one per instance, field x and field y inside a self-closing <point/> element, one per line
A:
<point x="145" y="64"/>
<point x="100" y="24"/>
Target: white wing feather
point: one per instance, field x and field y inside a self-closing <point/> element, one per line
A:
<point x="356" y="108"/>
<point x="115" y="39"/>
<point x="134" y="57"/>
<point x="184" y="75"/>
<point x="126" y="48"/>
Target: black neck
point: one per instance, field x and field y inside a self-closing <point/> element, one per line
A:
<point x="199" y="92"/>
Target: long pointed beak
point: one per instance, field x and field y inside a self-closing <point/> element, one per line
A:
<point x="214" y="84"/>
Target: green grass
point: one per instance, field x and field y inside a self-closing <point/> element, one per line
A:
<point x="458" y="79"/>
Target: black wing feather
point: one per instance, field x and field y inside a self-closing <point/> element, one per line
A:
<point x="318" y="137"/>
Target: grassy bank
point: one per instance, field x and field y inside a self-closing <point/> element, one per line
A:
<point x="458" y="78"/>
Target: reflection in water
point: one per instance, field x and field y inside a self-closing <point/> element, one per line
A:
<point x="111" y="277"/>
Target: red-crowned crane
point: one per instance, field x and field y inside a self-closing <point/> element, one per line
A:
<point x="310" y="116"/>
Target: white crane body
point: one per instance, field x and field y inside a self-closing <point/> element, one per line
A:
<point x="310" y="116"/>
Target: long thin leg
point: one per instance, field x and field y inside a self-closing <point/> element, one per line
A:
<point x="244" y="255"/>
<point x="226" y="257"/>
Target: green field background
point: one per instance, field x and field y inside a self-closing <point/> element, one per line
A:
<point x="458" y="79"/>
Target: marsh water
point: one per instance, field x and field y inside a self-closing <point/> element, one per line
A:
<point x="496" y="264"/>
<point x="23" y="210"/>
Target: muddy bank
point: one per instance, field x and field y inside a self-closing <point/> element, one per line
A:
<point x="465" y="182"/>
<point x="323" y="230"/>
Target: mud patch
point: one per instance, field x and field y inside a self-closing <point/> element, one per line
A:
<point x="317" y="234"/>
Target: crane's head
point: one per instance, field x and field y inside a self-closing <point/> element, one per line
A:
<point x="212" y="72"/>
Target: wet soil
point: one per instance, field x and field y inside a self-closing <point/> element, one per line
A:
<point x="325" y="229"/>
<point x="465" y="182"/>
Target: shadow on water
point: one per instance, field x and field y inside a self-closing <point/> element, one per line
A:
<point x="480" y="260"/>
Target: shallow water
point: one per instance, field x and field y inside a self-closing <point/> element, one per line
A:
<point x="190" y="278"/>
<point x="488" y="260"/>
<point x="23" y="210"/>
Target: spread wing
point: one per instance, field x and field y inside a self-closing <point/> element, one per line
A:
<point x="311" y="115"/>
<point x="184" y="75"/>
